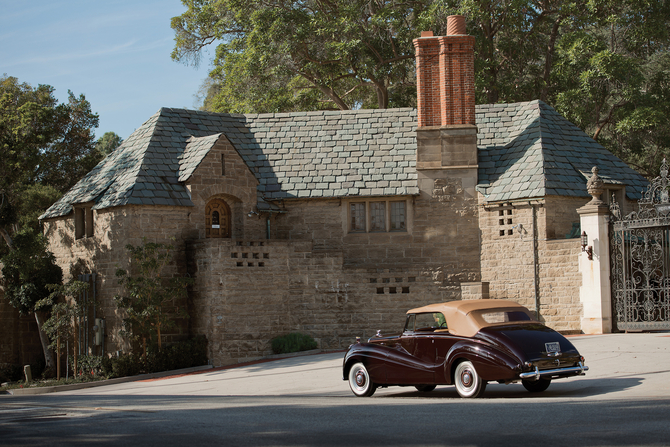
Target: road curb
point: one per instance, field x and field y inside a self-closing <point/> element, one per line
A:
<point x="79" y="386"/>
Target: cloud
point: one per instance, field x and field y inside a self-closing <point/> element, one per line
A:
<point x="129" y="47"/>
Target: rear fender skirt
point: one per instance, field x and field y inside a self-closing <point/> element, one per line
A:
<point x="491" y="364"/>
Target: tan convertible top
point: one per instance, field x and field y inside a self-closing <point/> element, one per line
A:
<point x="463" y="317"/>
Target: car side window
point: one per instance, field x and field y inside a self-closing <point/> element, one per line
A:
<point x="409" y="324"/>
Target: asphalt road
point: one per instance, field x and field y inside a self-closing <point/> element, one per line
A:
<point x="624" y="400"/>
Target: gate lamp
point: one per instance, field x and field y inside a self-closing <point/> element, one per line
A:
<point x="589" y="249"/>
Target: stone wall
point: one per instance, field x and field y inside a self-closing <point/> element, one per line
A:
<point x="248" y="292"/>
<point x="559" y="283"/>
<point x="508" y="261"/>
<point x="561" y="214"/>
<point x="316" y="277"/>
<point x="20" y="342"/>
<point x="105" y="252"/>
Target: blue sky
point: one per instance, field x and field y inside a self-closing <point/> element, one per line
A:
<point x="115" y="52"/>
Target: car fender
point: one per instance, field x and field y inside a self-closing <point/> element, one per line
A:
<point x="491" y="363"/>
<point x="373" y="356"/>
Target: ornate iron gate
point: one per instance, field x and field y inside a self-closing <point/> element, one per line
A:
<point x="640" y="260"/>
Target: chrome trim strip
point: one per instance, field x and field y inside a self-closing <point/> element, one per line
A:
<point x="578" y="370"/>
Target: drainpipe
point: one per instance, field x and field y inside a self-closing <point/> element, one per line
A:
<point x="535" y="263"/>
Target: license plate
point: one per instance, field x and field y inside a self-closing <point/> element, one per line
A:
<point x="553" y="348"/>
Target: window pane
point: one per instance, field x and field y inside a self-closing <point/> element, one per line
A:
<point x="398" y="216"/>
<point x="357" y="211"/>
<point x="377" y="216"/>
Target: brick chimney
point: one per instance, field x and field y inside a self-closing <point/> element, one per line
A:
<point x="445" y="76"/>
<point x="446" y="133"/>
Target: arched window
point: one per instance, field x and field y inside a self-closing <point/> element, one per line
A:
<point x="217" y="219"/>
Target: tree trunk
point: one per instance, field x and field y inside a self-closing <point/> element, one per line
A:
<point x="75" y="348"/>
<point x="382" y="96"/>
<point x="7" y="238"/>
<point x="48" y="355"/>
<point x="58" y="358"/>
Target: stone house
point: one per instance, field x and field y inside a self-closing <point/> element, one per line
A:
<point x="334" y="223"/>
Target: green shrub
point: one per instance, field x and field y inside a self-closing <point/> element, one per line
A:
<point x="293" y="342"/>
<point x="87" y="365"/>
<point x="185" y="354"/>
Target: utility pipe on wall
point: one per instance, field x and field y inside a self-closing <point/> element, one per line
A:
<point x="535" y="262"/>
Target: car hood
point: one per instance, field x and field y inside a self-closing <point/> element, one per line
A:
<point x="527" y="341"/>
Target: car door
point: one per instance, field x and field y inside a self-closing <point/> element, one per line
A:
<point x="413" y="362"/>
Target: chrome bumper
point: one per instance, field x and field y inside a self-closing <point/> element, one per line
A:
<point x="537" y="374"/>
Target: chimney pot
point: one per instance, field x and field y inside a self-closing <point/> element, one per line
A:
<point x="455" y="25"/>
<point x="426" y="34"/>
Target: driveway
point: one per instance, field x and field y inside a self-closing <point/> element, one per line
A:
<point x="623" y="400"/>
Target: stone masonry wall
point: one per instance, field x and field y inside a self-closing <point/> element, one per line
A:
<point x="316" y="277"/>
<point x="312" y="275"/>
<point x="251" y="291"/>
<point x="560" y="280"/>
<point x="105" y="252"/>
<point x="561" y="214"/>
<point x="508" y="262"/>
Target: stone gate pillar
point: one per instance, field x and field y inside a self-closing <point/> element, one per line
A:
<point x="594" y="262"/>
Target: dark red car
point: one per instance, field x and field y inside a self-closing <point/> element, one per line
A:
<point x="467" y="344"/>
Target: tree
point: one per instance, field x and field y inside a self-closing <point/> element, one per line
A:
<point x="42" y="143"/>
<point x="614" y="78"/>
<point x="150" y="301"/>
<point x="321" y="54"/>
<point x="45" y="147"/>
<point x="107" y="143"/>
<point x="71" y="305"/>
<point x="27" y="270"/>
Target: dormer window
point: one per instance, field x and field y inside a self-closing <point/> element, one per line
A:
<point x="83" y="222"/>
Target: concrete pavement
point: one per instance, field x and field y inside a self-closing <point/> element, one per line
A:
<point x="624" y="400"/>
<point x="621" y="366"/>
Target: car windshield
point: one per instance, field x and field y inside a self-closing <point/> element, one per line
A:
<point x="426" y="322"/>
<point x="504" y="316"/>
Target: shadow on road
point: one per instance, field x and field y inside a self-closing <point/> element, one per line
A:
<point x="578" y="387"/>
<point x="280" y="420"/>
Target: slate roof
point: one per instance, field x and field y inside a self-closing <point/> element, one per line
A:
<point x="293" y="155"/>
<point x="526" y="150"/>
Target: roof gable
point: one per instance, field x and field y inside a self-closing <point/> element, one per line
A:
<point x="528" y="150"/>
<point x="196" y="150"/>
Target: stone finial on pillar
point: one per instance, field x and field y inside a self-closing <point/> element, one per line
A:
<point x="595" y="187"/>
<point x="595" y="291"/>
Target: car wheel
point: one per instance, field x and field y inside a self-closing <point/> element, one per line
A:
<point x="425" y="388"/>
<point x="467" y="381"/>
<point x="536" y="386"/>
<point x="359" y="381"/>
